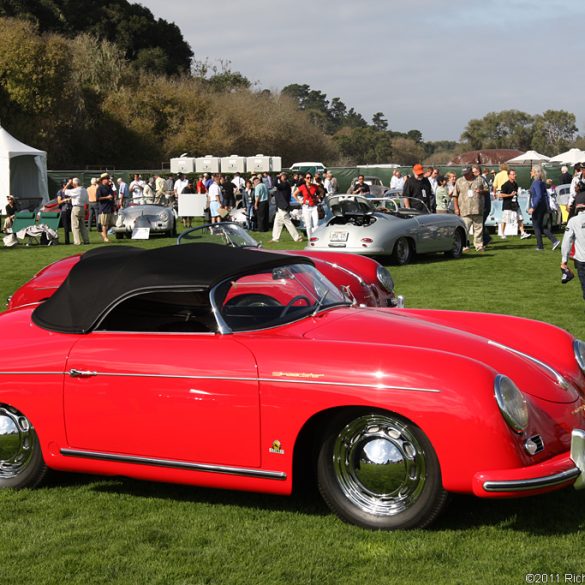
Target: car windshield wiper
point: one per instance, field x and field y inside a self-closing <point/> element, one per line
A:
<point x="320" y="302"/>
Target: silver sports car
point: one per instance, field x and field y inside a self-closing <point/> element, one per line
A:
<point x="158" y="218"/>
<point x="397" y="227"/>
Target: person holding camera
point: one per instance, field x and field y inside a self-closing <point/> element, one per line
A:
<point x="78" y="197"/>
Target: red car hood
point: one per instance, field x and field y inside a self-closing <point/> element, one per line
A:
<point x="398" y="328"/>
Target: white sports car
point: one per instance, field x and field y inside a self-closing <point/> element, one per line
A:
<point x="398" y="226"/>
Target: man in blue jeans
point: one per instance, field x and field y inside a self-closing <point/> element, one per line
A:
<point x="575" y="234"/>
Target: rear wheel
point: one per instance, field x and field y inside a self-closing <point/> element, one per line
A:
<point x="120" y="235"/>
<point x="380" y="471"/>
<point x="21" y="460"/>
<point x="402" y="252"/>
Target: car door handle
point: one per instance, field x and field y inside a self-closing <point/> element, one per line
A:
<point x="81" y="373"/>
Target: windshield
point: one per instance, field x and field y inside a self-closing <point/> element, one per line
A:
<point x="350" y="203"/>
<point x="230" y="234"/>
<point x="274" y="297"/>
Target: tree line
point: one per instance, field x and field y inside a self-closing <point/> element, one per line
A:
<point x="108" y="84"/>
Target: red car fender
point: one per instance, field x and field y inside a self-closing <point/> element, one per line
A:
<point x="466" y="434"/>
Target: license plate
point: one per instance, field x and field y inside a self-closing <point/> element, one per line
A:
<point x="338" y="237"/>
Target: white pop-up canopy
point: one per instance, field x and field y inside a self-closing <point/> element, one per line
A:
<point x="530" y="156"/>
<point x="570" y="157"/>
<point x="23" y="170"/>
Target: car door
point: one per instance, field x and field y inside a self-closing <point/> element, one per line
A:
<point x="429" y="234"/>
<point x="178" y="396"/>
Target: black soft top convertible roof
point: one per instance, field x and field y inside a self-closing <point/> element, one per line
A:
<point x="105" y="275"/>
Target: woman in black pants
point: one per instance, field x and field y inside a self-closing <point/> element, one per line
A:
<point x="539" y="208"/>
<point x="66" y="208"/>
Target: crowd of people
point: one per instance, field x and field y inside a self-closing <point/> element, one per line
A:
<point x="469" y="196"/>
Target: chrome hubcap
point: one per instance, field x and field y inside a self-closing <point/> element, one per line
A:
<point x="379" y="465"/>
<point x="402" y="249"/>
<point x="17" y="443"/>
<point x="458" y="245"/>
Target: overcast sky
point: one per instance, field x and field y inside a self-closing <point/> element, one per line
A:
<point x="431" y="65"/>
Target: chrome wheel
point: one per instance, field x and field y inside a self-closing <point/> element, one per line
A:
<point x="402" y="251"/>
<point x="379" y="465"/>
<point x="380" y="471"/>
<point x="21" y="462"/>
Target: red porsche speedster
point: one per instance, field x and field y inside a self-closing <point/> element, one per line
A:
<point x="364" y="279"/>
<point x="156" y="364"/>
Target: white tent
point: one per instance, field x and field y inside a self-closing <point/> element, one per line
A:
<point x="23" y="170"/>
<point x="570" y="157"/>
<point x="530" y="156"/>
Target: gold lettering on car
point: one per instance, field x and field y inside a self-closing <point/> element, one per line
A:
<point x="308" y="375"/>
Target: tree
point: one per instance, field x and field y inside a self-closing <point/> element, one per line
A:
<point x="554" y="131"/>
<point x="131" y="26"/>
<point x="406" y="151"/>
<point x="379" y="122"/>
<point x="506" y="129"/>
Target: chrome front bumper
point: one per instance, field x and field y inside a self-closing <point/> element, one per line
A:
<point x="563" y="471"/>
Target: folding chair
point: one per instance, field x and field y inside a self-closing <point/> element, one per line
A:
<point x="23" y="219"/>
<point x="50" y="219"/>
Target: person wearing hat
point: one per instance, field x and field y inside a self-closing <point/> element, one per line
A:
<point x="11" y="209"/>
<point x="419" y="187"/>
<point x="468" y="199"/>
<point x="105" y="199"/>
<point x="575" y="235"/>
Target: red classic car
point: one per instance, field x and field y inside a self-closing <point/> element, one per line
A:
<point x="154" y="364"/>
<point x="365" y="280"/>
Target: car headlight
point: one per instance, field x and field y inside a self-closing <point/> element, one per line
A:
<point x="163" y="216"/>
<point x="579" y="349"/>
<point x="384" y="278"/>
<point x="511" y="402"/>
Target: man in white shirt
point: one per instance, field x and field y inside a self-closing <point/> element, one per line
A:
<point x="330" y="183"/>
<point x="238" y="183"/>
<point x="397" y="180"/>
<point x="180" y="184"/>
<point x="136" y="188"/>
<point x="79" y="199"/>
<point x="575" y="234"/>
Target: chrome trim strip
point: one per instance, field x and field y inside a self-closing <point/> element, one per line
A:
<point x="559" y="378"/>
<point x="32" y="373"/>
<point x="223" y="327"/>
<point x="519" y="485"/>
<point x="374" y="386"/>
<point x="224" y="469"/>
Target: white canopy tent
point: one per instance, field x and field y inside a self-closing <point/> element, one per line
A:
<point x="570" y="157"/>
<point x="23" y="170"/>
<point x="530" y="156"/>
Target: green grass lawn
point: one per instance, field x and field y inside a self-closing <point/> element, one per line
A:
<point x="89" y="530"/>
